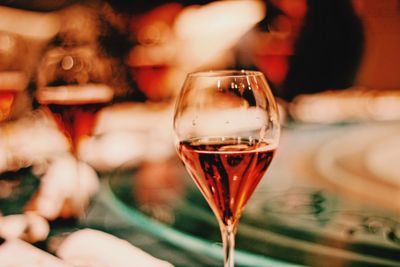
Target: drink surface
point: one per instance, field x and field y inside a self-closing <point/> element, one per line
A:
<point x="227" y="171"/>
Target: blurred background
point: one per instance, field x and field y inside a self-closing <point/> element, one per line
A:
<point x="329" y="63"/>
<point x="340" y="49"/>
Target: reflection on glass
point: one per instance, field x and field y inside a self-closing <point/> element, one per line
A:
<point x="227" y="130"/>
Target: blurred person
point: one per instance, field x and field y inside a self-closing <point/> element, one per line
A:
<point x="150" y="59"/>
<point x="308" y="46"/>
<point x="171" y="38"/>
<point x="269" y="46"/>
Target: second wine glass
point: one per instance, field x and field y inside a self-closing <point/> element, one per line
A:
<point x="227" y="130"/>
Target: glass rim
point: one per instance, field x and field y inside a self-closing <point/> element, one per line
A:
<point x="224" y="73"/>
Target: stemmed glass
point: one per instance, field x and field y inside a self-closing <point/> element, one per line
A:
<point x="72" y="92"/>
<point x="72" y="87"/>
<point x="227" y="130"/>
<point x="74" y="108"/>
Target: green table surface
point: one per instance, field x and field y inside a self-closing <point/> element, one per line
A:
<point x="330" y="198"/>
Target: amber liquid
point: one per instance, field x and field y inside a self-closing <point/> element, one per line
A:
<point x="227" y="171"/>
<point x="7" y="98"/>
<point x="76" y="121"/>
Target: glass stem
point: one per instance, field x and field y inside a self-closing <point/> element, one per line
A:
<point x="228" y="239"/>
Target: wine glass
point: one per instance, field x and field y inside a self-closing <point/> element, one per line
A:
<point x="72" y="87"/>
<point x="72" y="99"/>
<point x="74" y="108"/>
<point x="227" y="130"/>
